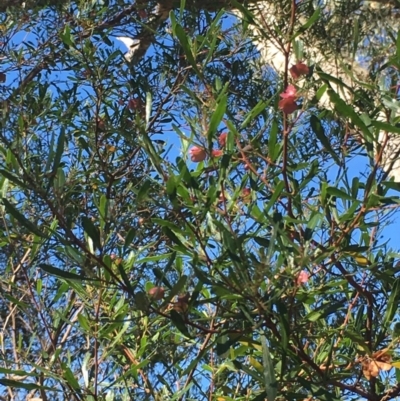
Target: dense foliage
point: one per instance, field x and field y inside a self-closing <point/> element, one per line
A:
<point x="192" y="224"/>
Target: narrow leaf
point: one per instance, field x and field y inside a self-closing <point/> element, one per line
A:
<point x="393" y="303"/>
<point x="54" y="271"/>
<point x="339" y="193"/>
<point x="277" y="192"/>
<point x="129" y="237"/>
<point x="22" y="219"/>
<point x="125" y="278"/>
<point x="269" y="371"/>
<point x="259" y="108"/>
<point x="305" y="26"/>
<point x="144" y="189"/>
<point x="216" y="118"/>
<point x="92" y="231"/>
<point x="273" y="148"/>
<point x="13" y="178"/>
<point x="347" y="111"/>
<point x="177" y="288"/>
<point x="382" y="126"/>
<point x="27" y="386"/>
<point x="183" y="40"/>
<point x="59" y="151"/>
<point x="149" y="103"/>
<point x="398" y="46"/>
<point x="179" y="323"/>
<point x="69" y="376"/>
<point x="319" y="131"/>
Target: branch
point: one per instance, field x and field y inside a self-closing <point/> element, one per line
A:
<point x="147" y="36"/>
<point x="29" y="4"/>
<point x="211" y="5"/>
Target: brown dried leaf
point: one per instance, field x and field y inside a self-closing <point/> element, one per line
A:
<point x="180" y="306"/>
<point x="382" y="355"/>
<point x="374" y="368"/>
<point x="365" y="369"/>
<point x="384" y="366"/>
<point x="324" y="367"/>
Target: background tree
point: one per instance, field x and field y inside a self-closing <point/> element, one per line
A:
<point x="187" y="225"/>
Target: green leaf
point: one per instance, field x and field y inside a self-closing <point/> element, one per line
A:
<point x="59" y="151"/>
<point x="177" y="288"/>
<point x="398" y="46"/>
<point x="216" y="117"/>
<point x="74" y="255"/>
<point x="16" y="372"/>
<point x="260" y="397"/>
<point x="103" y="208"/>
<point x="60" y="179"/>
<point x="284" y="325"/>
<point x="356" y="36"/>
<point x="244" y="10"/>
<point x="143" y="191"/>
<point x="125" y="278"/>
<point x="330" y="353"/>
<point x="321" y="393"/>
<point x="307" y="25"/>
<point x="324" y="311"/>
<point x="39" y="286"/>
<point x="201" y="276"/>
<point x="277" y="192"/>
<point x="66" y="36"/>
<point x="327" y="78"/>
<point x="273" y="148"/>
<point x="170" y="234"/>
<point x="333" y="191"/>
<point x="179" y="322"/>
<point x="224" y="344"/>
<point x="27" y="386"/>
<point x="160" y="275"/>
<point x="393" y="303"/>
<point x="171" y="187"/>
<point x="15" y="301"/>
<point x="22" y="219"/>
<point x="357" y="339"/>
<point x="185" y="175"/>
<point x="141" y="301"/>
<point x="251" y="372"/>
<point x="154" y="258"/>
<point x="179" y="32"/>
<point x="85" y="369"/>
<point x="182" y="8"/>
<point x="13" y="178"/>
<point x="319" y="131"/>
<point x="129" y="237"/>
<point x="92" y="231"/>
<point x="347" y="111"/>
<point x="69" y="376"/>
<point x="382" y="126"/>
<point x="84" y="322"/>
<point x="51" y="152"/>
<point x="54" y="271"/>
<point x="320" y="92"/>
<point x="149" y="102"/>
<point x="259" y="108"/>
<point x="166" y="223"/>
<point x="269" y="371"/>
<point x="152" y="153"/>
